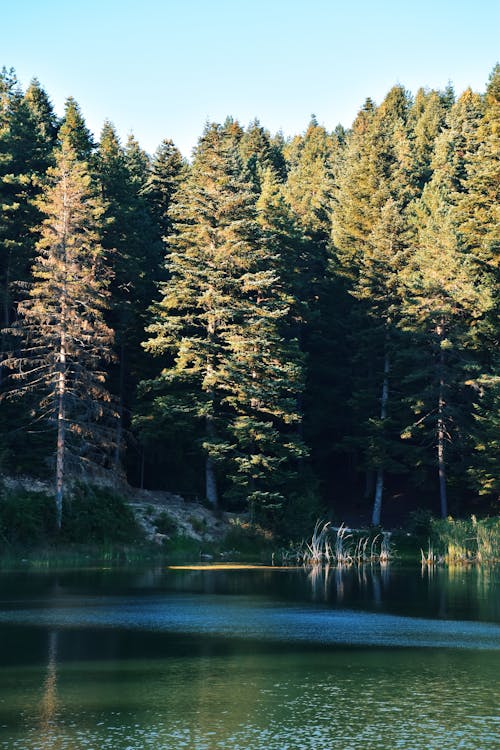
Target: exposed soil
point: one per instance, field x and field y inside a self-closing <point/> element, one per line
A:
<point x="162" y="515"/>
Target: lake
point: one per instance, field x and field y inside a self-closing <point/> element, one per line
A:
<point x="250" y="659"/>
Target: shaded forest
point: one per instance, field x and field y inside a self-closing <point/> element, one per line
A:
<point x="284" y="325"/>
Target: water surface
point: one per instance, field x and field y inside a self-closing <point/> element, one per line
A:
<point x="250" y="660"/>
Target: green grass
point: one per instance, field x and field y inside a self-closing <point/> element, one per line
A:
<point x="466" y="540"/>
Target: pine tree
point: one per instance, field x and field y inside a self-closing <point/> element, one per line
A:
<point x="427" y="119"/>
<point x="375" y="184"/>
<point x="132" y="240"/>
<point x="74" y="129"/>
<point x="444" y="299"/>
<point x="311" y="163"/>
<point x="484" y="469"/>
<point x="259" y="153"/>
<point x="195" y="310"/>
<point x="168" y="170"/>
<point x="26" y="143"/>
<point x="266" y="367"/>
<point x="43" y="114"/>
<point x="64" y="337"/>
<point x="478" y="208"/>
<point x="217" y="327"/>
<point x="27" y="131"/>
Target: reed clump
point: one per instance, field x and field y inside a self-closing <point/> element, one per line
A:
<point x="463" y="541"/>
<point x="341" y="546"/>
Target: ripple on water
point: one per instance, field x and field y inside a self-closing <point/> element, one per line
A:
<point x="239" y="617"/>
<point x="400" y="709"/>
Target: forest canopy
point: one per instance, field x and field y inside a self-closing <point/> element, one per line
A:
<point x="279" y="325"/>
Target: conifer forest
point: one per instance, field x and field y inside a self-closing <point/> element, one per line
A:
<point x="281" y="325"/>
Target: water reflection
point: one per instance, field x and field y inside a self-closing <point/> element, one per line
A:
<point x="250" y="660"/>
<point x="333" y="585"/>
<point x="49" y="702"/>
<point x="341" y="700"/>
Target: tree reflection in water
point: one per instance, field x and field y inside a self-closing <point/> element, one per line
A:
<point x="48" y="704"/>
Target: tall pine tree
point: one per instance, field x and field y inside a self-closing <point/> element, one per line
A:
<point x="217" y="327"/>
<point x="65" y="340"/>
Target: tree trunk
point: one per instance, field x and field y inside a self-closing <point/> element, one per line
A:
<point x="119" y="425"/>
<point x="379" y="485"/>
<point x="143" y="459"/>
<point x="61" y="426"/>
<point x="5" y="315"/>
<point x="369" y="484"/>
<point x="440" y="440"/>
<point x="377" y="501"/>
<point x="210" y="478"/>
<point x="211" y="483"/>
<point x="61" y="380"/>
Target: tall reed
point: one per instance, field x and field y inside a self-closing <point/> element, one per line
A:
<point x="465" y="541"/>
<point x="330" y="545"/>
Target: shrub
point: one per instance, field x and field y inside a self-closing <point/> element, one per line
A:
<point x="248" y="539"/>
<point x="26" y="518"/>
<point x="93" y="515"/>
<point x="165" y="524"/>
<point x="199" y="524"/>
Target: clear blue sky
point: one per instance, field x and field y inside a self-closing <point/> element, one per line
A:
<point x="162" y="68"/>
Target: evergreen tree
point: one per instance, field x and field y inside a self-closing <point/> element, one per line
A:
<point x="43" y="114"/>
<point x="219" y="321"/>
<point x="64" y="337"/>
<point x="168" y="170"/>
<point x="27" y="129"/>
<point x="375" y="184"/>
<point x="444" y="298"/>
<point x="427" y="118"/>
<point x="478" y="209"/>
<point x="312" y="162"/>
<point x="74" y="129"/>
<point x="484" y="470"/>
<point x="259" y="152"/>
<point x="26" y="143"/>
<point x="132" y="239"/>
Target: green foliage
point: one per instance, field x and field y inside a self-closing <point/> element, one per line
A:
<point x="248" y="539"/>
<point x="485" y="464"/>
<point x="198" y="524"/>
<point x="420" y="523"/>
<point x="181" y="548"/>
<point x="27" y="137"/>
<point x="324" y="308"/>
<point x="97" y="516"/>
<point x="91" y="516"/>
<point x="165" y="524"/>
<point x="26" y="518"/>
<point x="219" y="325"/>
<point x="469" y="540"/>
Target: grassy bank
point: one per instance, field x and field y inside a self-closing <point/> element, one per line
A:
<point x="100" y="528"/>
<point x="463" y="541"/>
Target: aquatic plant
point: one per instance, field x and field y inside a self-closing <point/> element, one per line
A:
<point x="342" y="546"/>
<point x="464" y="541"/>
